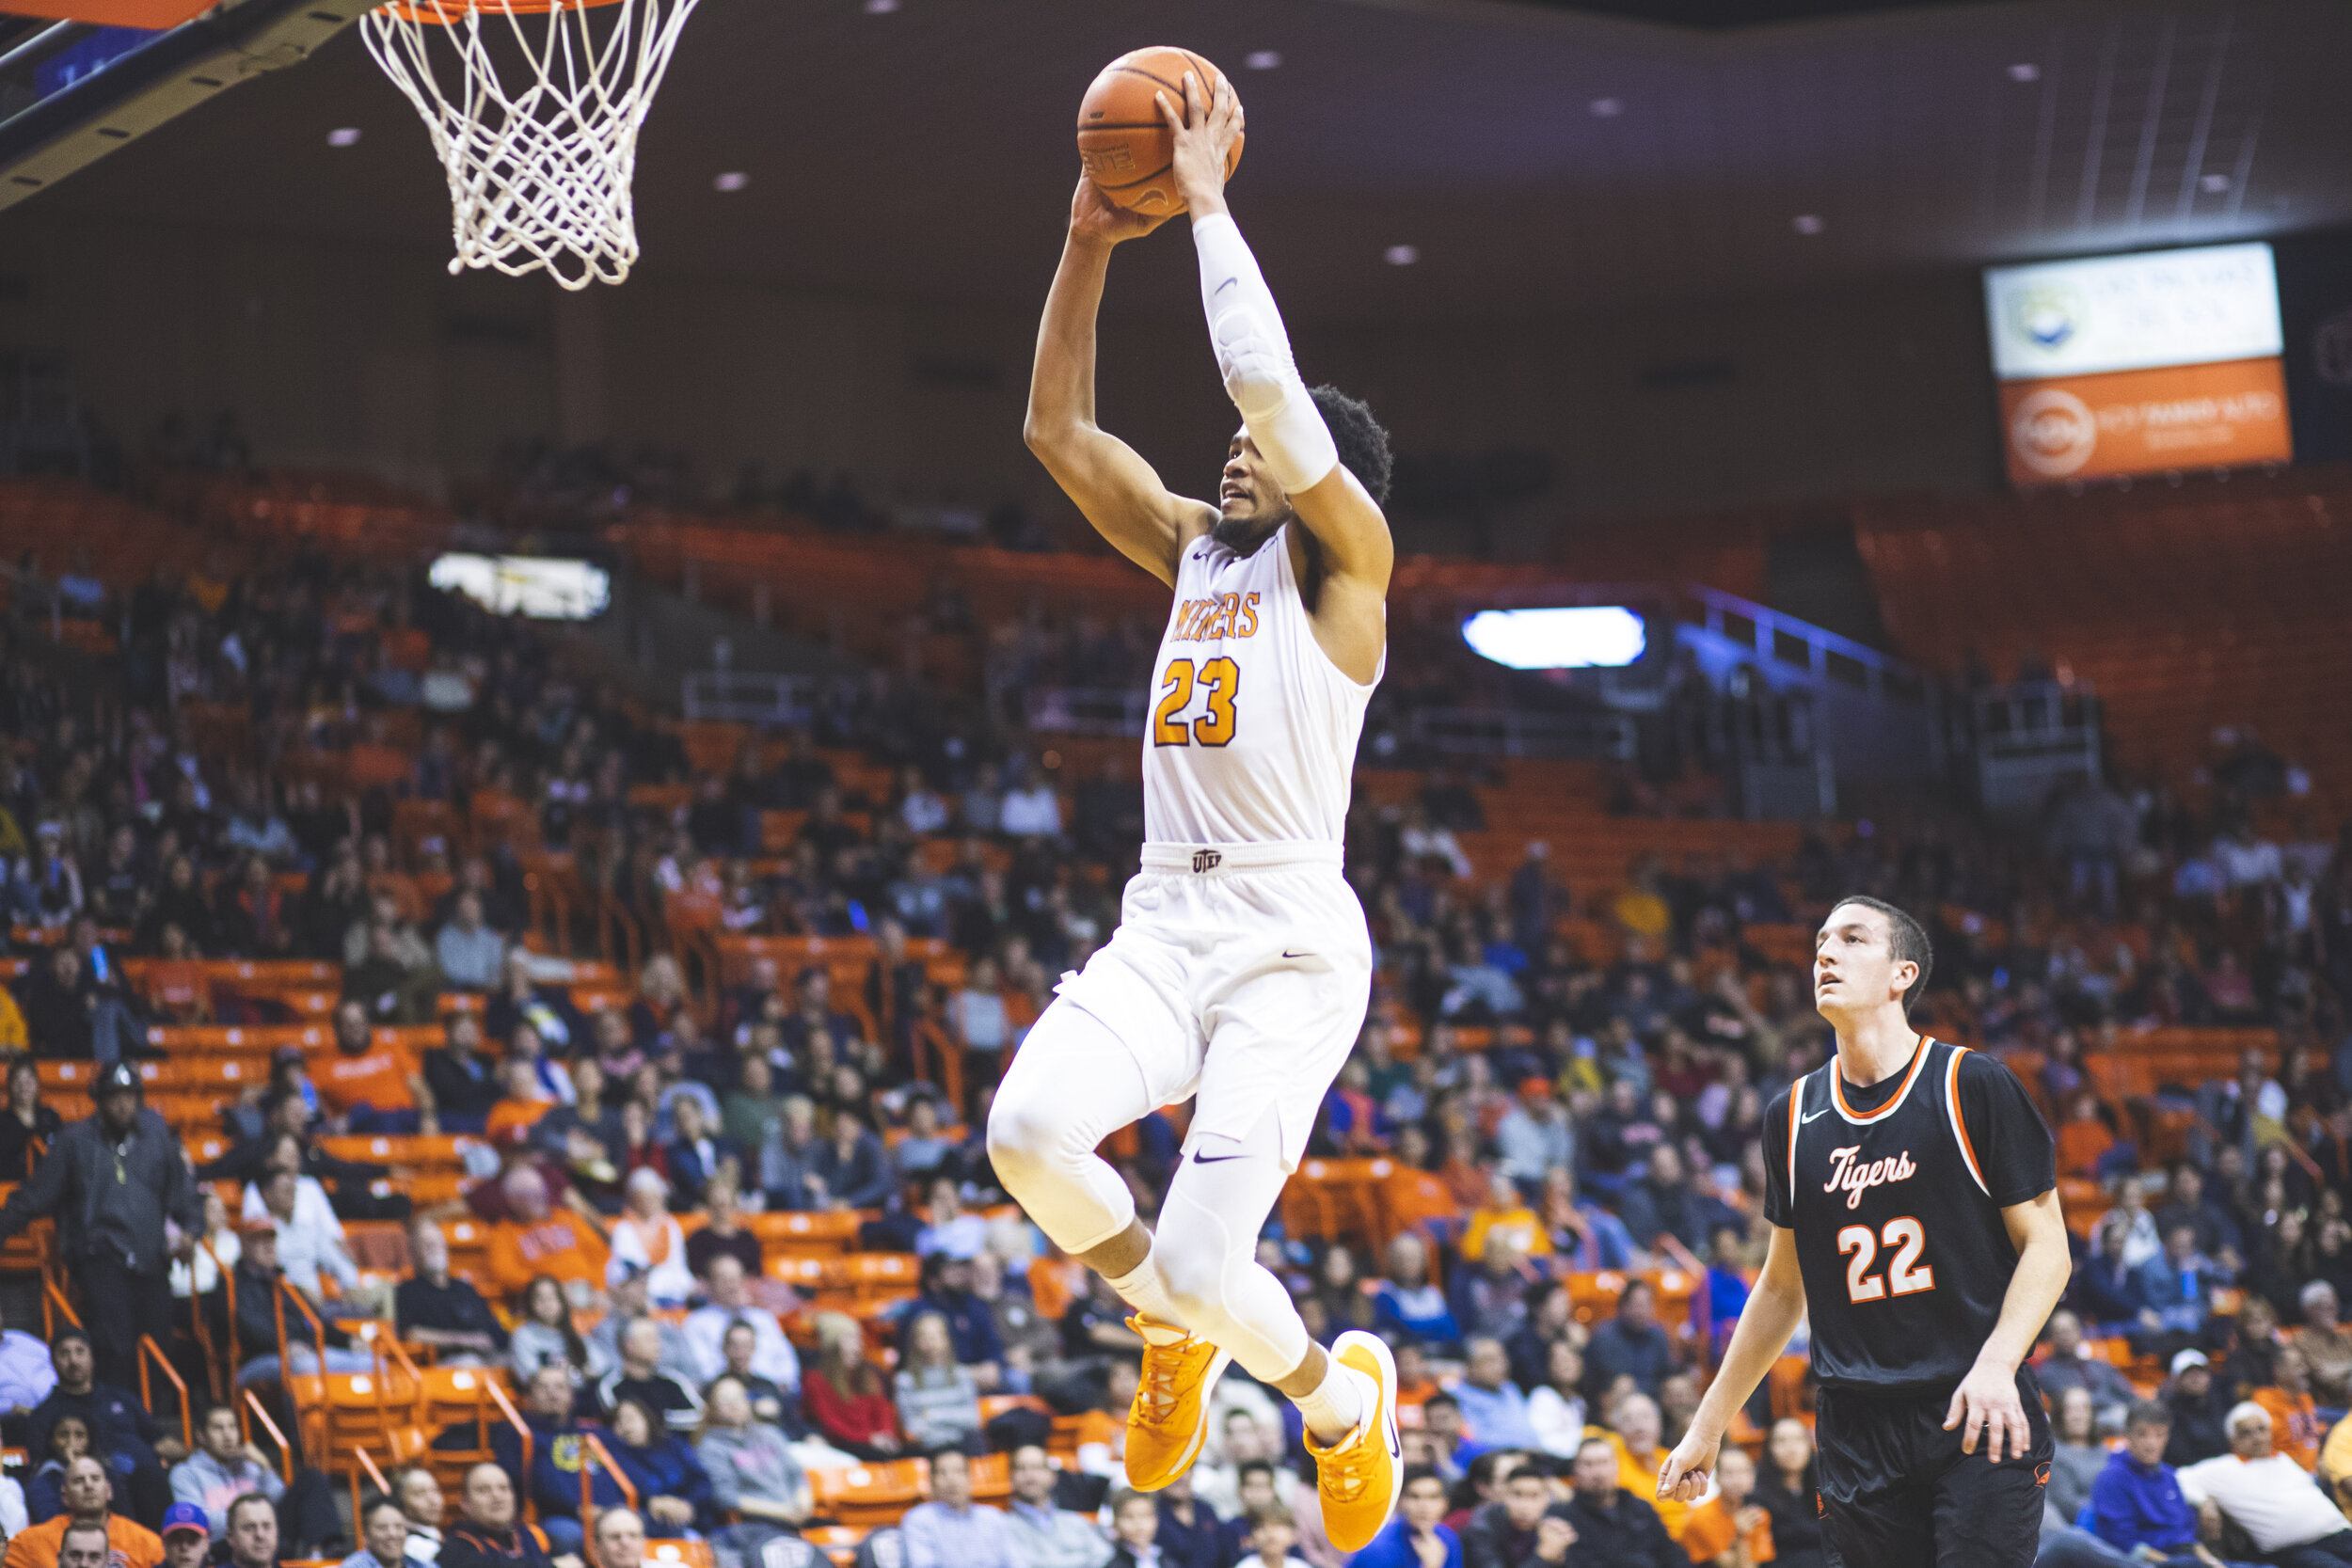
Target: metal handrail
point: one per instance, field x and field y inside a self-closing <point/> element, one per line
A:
<point x="590" y="1443"/>
<point x="202" y="1328"/>
<point x="147" y="1347"/>
<point x="506" y="1408"/>
<point x="285" y="1449"/>
<point x="365" y="1463"/>
<point x="52" y="1300"/>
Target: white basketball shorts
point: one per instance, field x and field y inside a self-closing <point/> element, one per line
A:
<point x="1240" y="972"/>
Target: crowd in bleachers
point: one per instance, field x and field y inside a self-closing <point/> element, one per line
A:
<point x="634" y="1071"/>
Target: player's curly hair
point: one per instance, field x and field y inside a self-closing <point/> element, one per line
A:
<point x="1362" y="444"/>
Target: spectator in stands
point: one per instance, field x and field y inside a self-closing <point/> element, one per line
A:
<point x="383" y="1536"/>
<point x="1136" y="1532"/>
<point x="44" y="1487"/>
<point x="843" y="1395"/>
<point x="1535" y="1135"/>
<point x="2269" y="1496"/>
<point x="471" y="956"/>
<point x="1406" y="1304"/>
<point x="27" y="1126"/>
<point x="2172" y="1291"/>
<point x="421" y="1504"/>
<point x="1611" y="1524"/>
<point x="753" y="1473"/>
<point x="722" y="1233"/>
<point x="487" y="1534"/>
<point x="950" y="1532"/>
<point x="788" y="1158"/>
<point x="731" y="1306"/>
<point x="1492" y="1298"/>
<point x="258" y="1282"/>
<point x="311" y="1245"/>
<point x="1418" y="1537"/>
<point x="672" y="1486"/>
<point x="223" y="1468"/>
<point x="696" y="1153"/>
<point x="432" y="1308"/>
<point x="640" y="1376"/>
<point x="2137" y="1506"/>
<point x="1630" y="1344"/>
<point x="629" y="1304"/>
<point x="647" y="1236"/>
<point x="1493" y="1407"/>
<point x="89" y="1495"/>
<point x="849" y="1166"/>
<point x="187" y="1538"/>
<point x="621" y="1539"/>
<point x="1787" y="1491"/>
<point x="2327" y="1345"/>
<point x="371" y="1085"/>
<point x="463" y="1080"/>
<point x="1030" y="809"/>
<point x="2077" y="1459"/>
<point x="28" y="1373"/>
<point x="544" y="1335"/>
<point x="134" y="1444"/>
<point x="946" y="1287"/>
<point x="1555" y="1408"/>
<point x="1046" y="1536"/>
<point x="2068" y="1363"/>
<point x="939" y="1404"/>
<point x="2197" y="1408"/>
<point x="771" y="1403"/>
<point x="532" y="1240"/>
<point x="1503" y="1214"/>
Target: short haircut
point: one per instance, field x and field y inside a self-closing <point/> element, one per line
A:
<point x="1419" y="1472"/>
<point x="1272" y="1514"/>
<point x="956" y="1454"/>
<point x="2312" y="1292"/>
<point x="377" y="1504"/>
<point x="1249" y="1466"/>
<point x="105" y="1537"/>
<point x="1906" y="941"/>
<point x="619" y="1513"/>
<point x="1442" y="1397"/>
<point x="1589" y="1442"/>
<point x="1127" y="1495"/>
<point x="2149" y="1413"/>
<point x="250" y="1499"/>
<point x="1361" y="443"/>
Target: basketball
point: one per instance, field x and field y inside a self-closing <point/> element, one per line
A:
<point x="1123" y="142"/>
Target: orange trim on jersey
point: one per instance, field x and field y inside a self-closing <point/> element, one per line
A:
<point x="1960" y="1123"/>
<point x="1837" y="1087"/>
<point x="1796" y="1103"/>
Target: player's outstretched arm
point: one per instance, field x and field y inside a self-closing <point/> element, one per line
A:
<point x="1253" y="353"/>
<point x="1987" y="1403"/>
<point x="1773" y="1310"/>
<point x="1118" y="492"/>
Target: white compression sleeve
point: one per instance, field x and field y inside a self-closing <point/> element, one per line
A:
<point x="1253" y="353"/>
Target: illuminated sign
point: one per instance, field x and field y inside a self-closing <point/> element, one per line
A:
<point x="1593" y="637"/>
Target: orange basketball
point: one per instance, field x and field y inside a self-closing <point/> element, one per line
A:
<point x="1123" y="142"/>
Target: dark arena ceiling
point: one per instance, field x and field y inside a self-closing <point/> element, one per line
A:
<point x="1540" y="158"/>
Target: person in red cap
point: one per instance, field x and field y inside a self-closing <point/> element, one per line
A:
<point x="117" y="1183"/>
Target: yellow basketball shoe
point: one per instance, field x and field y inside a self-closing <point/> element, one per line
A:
<point x="1360" y="1476"/>
<point x="1169" y="1419"/>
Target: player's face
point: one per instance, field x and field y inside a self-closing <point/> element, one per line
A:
<point x="1854" y="969"/>
<point x="1250" y="505"/>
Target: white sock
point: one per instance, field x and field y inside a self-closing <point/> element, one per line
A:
<point x="1337" y="1407"/>
<point x="1140" y="1287"/>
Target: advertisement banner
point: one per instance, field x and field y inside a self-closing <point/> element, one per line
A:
<point x="2082" y="427"/>
<point x="2197" y="306"/>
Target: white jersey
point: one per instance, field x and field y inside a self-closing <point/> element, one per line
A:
<point x="1253" y="730"/>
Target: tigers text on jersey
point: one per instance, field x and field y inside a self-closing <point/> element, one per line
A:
<point x="1253" y="730"/>
<point x="1895" y="1192"/>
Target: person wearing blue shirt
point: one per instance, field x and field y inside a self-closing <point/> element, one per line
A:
<point x="1406" y="1306"/>
<point x="2171" y="1288"/>
<point x="1492" y="1405"/>
<point x="1727" y="1290"/>
<point x="2136" y="1501"/>
<point x="1420" y="1517"/>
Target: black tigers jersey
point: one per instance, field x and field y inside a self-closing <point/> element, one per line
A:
<point x="1895" y="1192"/>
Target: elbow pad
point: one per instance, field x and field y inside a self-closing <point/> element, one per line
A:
<point x="1253" y="354"/>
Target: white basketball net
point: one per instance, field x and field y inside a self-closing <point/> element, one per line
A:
<point x="539" y="173"/>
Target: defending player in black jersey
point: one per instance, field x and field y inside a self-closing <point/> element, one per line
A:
<point x="1912" y="1189"/>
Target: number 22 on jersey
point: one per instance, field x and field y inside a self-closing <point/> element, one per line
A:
<point x="1905" y="1276"/>
<point x="1220" y="678"/>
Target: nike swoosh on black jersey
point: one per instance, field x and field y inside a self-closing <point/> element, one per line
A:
<point x="1815" y="1116"/>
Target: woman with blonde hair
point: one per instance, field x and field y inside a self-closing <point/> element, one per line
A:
<point x="939" y="1403"/>
<point x="647" y="1236"/>
<point x="843" y="1395"/>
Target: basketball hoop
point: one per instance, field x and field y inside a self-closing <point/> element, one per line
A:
<point x="539" y="172"/>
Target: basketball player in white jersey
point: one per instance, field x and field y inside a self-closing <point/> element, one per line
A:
<point x="1242" y="966"/>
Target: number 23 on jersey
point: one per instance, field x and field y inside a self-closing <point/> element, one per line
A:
<point x="1219" y="679"/>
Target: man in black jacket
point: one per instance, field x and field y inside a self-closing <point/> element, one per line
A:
<point x="1611" y="1524"/>
<point x="121" y="1431"/>
<point x="114" y="1183"/>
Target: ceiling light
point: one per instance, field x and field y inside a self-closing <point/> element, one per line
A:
<point x="1263" y="59"/>
<point x="880" y="7"/>
<point x="2025" y="71"/>
<point x="1580" y="637"/>
<point x="731" y="182"/>
<point x="347" y="136"/>
<point x="1606" y="108"/>
<point x="1400" y="255"/>
<point x="2212" y="184"/>
<point x="1806" y="223"/>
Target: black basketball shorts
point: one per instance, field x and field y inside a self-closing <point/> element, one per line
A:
<point x="1897" y="1491"/>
